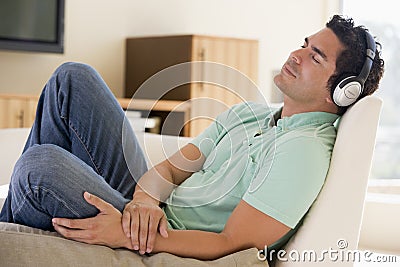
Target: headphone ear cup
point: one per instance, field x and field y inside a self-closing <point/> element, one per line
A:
<point x="347" y="91"/>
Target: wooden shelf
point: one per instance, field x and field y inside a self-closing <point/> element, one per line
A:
<point x="159" y="105"/>
<point x="19" y="110"/>
<point x="19" y="97"/>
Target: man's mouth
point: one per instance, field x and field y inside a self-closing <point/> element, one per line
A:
<point x="287" y="69"/>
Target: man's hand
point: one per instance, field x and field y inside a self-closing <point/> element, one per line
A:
<point x="103" y="229"/>
<point x="142" y="218"/>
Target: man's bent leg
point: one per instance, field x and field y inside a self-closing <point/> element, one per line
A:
<point x="78" y="112"/>
<point x="49" y="182"/>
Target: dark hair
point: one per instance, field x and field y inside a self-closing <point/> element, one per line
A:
<point x="352" y="58"/>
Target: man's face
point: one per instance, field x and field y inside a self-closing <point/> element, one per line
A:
<point x="303" y="78"/>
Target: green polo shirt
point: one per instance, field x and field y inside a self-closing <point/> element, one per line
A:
<point x="277" y="165"/>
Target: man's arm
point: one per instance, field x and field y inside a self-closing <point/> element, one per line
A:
<point x="142" y="217"/>
<point x="246" y="227"/>
<point x="160" y="180"/>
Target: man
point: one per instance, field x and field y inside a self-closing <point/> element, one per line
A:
<point x="246" y="181"/>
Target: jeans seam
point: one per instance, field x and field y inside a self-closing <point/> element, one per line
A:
<point x="24" y="196"/>
<point x="53" y="194"/>
<point x="86" y="149"/>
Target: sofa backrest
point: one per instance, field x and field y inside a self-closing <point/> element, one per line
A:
<point x="334" y="221"/>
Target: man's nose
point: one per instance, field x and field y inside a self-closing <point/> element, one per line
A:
<point x="296" y="56"/>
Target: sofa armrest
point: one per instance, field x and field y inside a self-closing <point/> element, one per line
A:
<point x="157" y="147"/>
<point x="12" y="142"/>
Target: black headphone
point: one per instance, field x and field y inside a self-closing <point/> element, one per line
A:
<point x="349" y="89"/>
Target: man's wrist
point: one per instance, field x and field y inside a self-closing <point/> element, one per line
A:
<point x="143" y="197"/>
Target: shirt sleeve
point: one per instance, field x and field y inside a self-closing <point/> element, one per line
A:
<point x="290" y="179"/>
<point x="207" y="139"/>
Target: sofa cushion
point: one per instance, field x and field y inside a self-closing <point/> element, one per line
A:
<point x="23" y="246"/>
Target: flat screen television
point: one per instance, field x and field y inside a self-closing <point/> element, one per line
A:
<point x="32" y="25"/>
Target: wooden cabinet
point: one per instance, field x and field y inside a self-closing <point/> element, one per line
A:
<point x="17" y="111"/>
<point x="148" y="56"/>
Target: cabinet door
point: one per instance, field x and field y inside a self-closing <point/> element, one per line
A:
<point x="17" y="112"/>
<point x="238" y="60"/>
<point x="30" y="112"/>
<point x="207" y="100"/>
<point x="147" y="56"/>
<point x="11" y="113"/>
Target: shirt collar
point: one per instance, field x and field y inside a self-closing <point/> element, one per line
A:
<point x="300" y="119"/>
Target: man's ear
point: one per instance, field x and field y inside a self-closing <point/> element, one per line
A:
<point x="329" y="100"/>
<point x="332" y="104"/>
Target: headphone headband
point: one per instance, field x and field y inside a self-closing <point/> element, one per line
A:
<point x="371" y="48"/>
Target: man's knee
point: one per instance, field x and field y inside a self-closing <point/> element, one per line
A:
<point x="72" y="68"/>
<point x="38" y="166"/>
<point x="35" y="160"/>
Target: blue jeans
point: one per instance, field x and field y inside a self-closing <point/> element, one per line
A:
<point x="75" y="145"/>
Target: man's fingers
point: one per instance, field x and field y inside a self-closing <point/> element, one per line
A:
<point x="126" y="223"/>
<point x="152" y="233"/>
<point x="75" y="234"/>
<point x="134" y="228"/>
<point x="143" y="232"/>
<point x="144" y="220"/>
<point x="163" y="227"/>
<point x="74" y="223"/>
<point x="156" y="223"/>
<point x="99" y="203"/>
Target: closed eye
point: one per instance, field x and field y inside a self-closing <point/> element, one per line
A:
<point x="317" y="51"/>
<point x="315" y="59"/>
<point x="314" y="56"/>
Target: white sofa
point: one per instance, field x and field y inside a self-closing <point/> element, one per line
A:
<point x="333" y="221"/>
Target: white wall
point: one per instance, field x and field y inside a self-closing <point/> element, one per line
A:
<point x="95" y="31"/>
